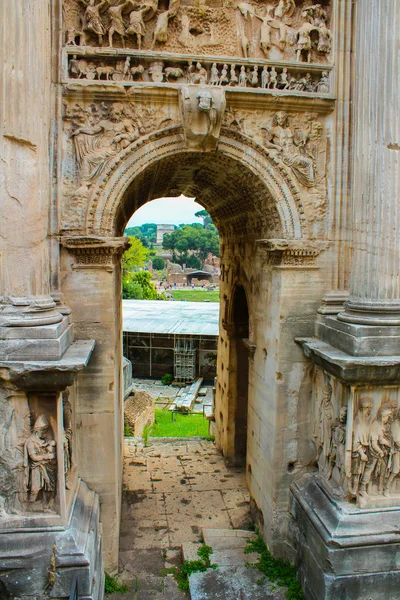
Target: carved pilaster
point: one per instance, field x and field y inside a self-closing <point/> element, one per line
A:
<point x="91" y="252"/>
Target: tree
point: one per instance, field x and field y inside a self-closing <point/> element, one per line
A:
<point x="147" y="233"/>
<point x="207" y="220"/>
<point x="192" y="241"/>
<point x="158" y="263"/>
<point x="135" y="256"/>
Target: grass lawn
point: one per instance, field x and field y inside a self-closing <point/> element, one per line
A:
<point x="182" y="426"/>
<point x="195" y="295"/>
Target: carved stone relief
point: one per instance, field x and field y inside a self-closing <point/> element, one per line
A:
<point x="69" y="454"/>
<point x="202" y="111"/>
<point x="131" y="70"/>
<point x="15" y="426"/>
<point x="28" y="463"/>
<point x="40" y="462"/>
<point x="284" y="30"/>
<point x="95" y="134"/>
<point x="296" y="142"/>
<point x="357" y="440"/>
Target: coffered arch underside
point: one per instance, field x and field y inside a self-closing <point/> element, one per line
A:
<point x="244" y="190"/>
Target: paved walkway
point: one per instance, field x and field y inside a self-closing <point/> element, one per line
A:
<point x="171" y="492"/>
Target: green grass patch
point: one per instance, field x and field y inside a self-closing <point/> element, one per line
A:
<point x="278" y="570"/>
<point x="183" y="425"/>
<point x="181" y="574"/>
<point x="112" y="585"/>
<point x="196" y="295"/>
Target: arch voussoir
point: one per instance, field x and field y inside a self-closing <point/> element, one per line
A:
<point x="240" y="184"/>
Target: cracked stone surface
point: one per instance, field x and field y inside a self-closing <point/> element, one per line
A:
<point x="171" y="492"/>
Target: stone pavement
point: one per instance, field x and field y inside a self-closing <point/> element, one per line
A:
<point x="172" y="490"/>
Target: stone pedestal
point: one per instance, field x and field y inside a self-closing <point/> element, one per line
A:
<point x="49" y="520"/>
<point x="44" y="561"/>
<point x="345" y="552"/>
<point x="346" y="516"/>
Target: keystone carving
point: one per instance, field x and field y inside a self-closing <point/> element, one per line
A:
<point x="202" y="110"/>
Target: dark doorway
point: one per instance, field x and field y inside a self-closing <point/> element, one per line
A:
<point x="240" y="314"/>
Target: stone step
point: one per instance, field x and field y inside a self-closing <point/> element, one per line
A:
<point x="228" y="546"/>
<point x="232" y="583"/>
<point x="208" y="411"/>
<point x="232" y="579"/>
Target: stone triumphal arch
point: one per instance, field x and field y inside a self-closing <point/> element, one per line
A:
<point x="247" y="107"/>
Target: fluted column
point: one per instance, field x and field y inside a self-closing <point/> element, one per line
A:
<point x="375" y="280"/>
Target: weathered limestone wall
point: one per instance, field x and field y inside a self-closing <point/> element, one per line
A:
<point x="93" y="291"/>
<point x="25" y="147"/>
<point x="282" y="301"/>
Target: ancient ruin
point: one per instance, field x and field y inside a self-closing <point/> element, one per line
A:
<point x="282" y="119"/>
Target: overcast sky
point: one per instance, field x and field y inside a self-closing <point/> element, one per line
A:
<point x="172" y="211"/>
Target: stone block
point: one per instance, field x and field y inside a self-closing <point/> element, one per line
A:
<point x="51" y="348"/>
<point x="359" y="340"/>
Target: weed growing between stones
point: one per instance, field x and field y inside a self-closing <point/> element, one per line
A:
<point x="145" y="435"/>
<point x="277" y="570"/>
<point x="127" y="430"/>
<point x="181" y="574"/>
<point x="111" y="585"/>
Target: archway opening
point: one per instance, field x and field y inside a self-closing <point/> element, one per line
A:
<point x="240" y="363"/>
<point x="248" y="200"/>
<point x="171" y="314"/>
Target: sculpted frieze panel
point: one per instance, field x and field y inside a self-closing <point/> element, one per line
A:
<point x="131" y="70"/>
<point x="357" y="440"/>
<point x="282" y="30"/>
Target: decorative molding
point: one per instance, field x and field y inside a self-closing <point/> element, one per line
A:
<point x="292" y="252"/>
<point x="91" y="252"/>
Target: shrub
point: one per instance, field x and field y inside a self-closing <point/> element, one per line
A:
<point x="167" y="379"/>
<point x="158" y="263"/>
<point x="138" y="286"/>
<point x="131" y="290"/>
